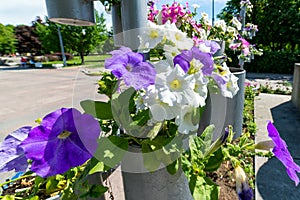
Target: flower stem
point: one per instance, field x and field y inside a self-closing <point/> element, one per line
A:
<point x="13" y="180"/>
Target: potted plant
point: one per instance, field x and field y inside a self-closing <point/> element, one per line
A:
<point x="148" y="122"/>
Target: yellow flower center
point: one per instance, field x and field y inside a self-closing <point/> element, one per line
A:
<point x="175" y="84"/>
<point x="129" y="68"/>
<point x="153" y="34"/>
<point x="221" y="70"/>
<point x="229" y="85"/>
<point x="177" y="36"/>
<point x="64" y="135"/>
<point x="195" y="66"/>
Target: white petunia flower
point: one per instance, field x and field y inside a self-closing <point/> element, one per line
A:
<point x="221" y="24"/>
<point x="236" y="23"/>
<point x="159" y="110"/>
<point x="195" y="6"/>
<point x="201" y="88"/>
<point x="226" y="81"/>
<point x="170" y="53"/>
<point x="152" y="36"/>
<point x="204" y="15"/>
<point x="204" y="48"/>
<point x="177" y="88"/>
<point x="188" y="120"/>
<point x="179" y="38"/>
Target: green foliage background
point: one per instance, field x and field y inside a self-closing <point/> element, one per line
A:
<point x="279" y="27"/>
<point x="7" y="39"/>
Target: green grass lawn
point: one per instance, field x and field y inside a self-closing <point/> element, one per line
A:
<point x="90" y="60"/>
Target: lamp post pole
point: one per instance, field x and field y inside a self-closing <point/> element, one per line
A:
<point x="213" y="12"/>
<point x="61" y="46"/>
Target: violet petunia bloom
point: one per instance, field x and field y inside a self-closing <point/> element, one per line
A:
<point x="184" y="60"/>
<point x="242" y="188"/>
<point x="64" y="139"/>
<point x="12" y="157"/>
<point x="131" y="66"/>
<point x="214" y="46"/>
<point x="281" y="152"/>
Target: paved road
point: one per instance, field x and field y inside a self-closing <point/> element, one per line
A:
<point x="27" y="94"/>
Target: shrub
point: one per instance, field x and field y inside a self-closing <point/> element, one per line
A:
<point x="274" y="62"/>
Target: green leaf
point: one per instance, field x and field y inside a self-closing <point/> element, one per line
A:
<point x="51" y="184"/>
<point x="202" y="188"/>
<point x="34" y="198"/>
<point x="68" y="194"/>
<point x="200" y="146"/>
<point x="155" y="130"/>
<point x="123" y="108"/>
<point x="99" y="167"/>
<point x="150" y="160"/>
<point x="173" y="168"/>
<point x="111" y="150"/>
<point x="38" y="181"/>
<point x="215" y="161"/>
<point x="98" y="109"/>
<point x="8" y="197"/>
<point x="97" y="191"/>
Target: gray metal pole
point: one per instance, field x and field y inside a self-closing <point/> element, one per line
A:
<point x="213" y="12"/>
<point x="61" y="46"/>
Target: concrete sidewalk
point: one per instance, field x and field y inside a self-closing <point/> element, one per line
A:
<point x="272" y="181"/>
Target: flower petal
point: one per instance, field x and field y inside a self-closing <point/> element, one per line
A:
<point x="11" y="155"/>
<point x="282" y="153"/>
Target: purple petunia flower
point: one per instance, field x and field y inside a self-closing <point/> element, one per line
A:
<point x="11" y="155"/>
<point x="184" y="60"/>
<point x="281" y="152"/>
<point x="214" y="46"/>
<point x="242" y="188"/>
<point x="131" y="67"/>
<point x="65" y="138"/>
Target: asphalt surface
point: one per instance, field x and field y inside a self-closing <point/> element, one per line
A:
<point x="272" y="181"/>
<point x="29" y="94"/>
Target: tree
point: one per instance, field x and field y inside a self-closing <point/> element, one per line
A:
<point x="76" y="39"/>
<point x="48" y="36"/>
<point x="28" y="39"/>
<point x="278" y="22"/>
<point x="84" y="39"/>
<point x="7" y="39"/>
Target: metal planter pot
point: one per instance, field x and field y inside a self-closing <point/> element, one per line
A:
<point x="117" y="25"/>
<point x="139" y="183"/>
<point x="222" y="111"/>
<point x="134" y="18"/>
<point x="71" y="12"/>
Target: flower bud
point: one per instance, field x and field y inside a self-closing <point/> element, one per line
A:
<point x="265" y="145"/>
<point x="242" y="188"/>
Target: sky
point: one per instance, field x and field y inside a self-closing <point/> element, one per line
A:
<point x="18" y="12"/>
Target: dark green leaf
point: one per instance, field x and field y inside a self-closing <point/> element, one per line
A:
<point x="97" y="191"/>
<point x="173" y="168"/>
<point x="215" y="161"/>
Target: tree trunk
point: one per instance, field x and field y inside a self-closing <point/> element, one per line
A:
<point x="82" y="58"/>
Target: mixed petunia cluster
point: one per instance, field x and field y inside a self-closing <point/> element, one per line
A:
<point x="181" y="81"/>
<point x="172" y="88"/>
